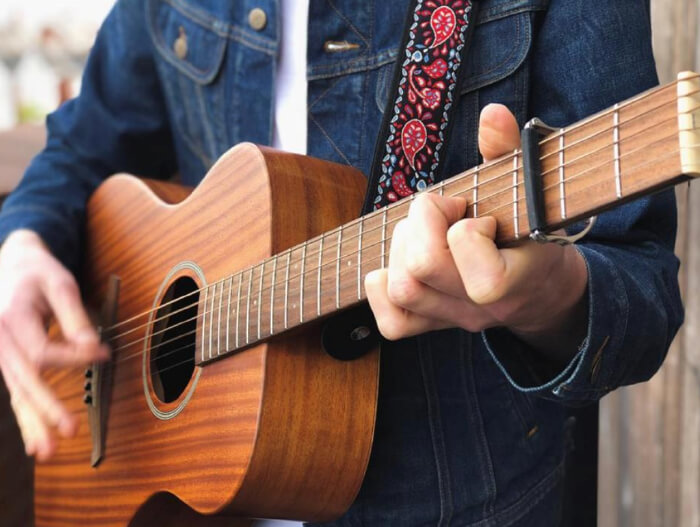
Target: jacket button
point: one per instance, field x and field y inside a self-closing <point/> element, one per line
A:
<point x="180" y="45"/>
<point x="257" y="19"/>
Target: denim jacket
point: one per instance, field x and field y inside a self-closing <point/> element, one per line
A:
<point x="470" y="427"/>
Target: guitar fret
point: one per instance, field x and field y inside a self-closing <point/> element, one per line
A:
<point x="260" y="289"/>
<point x="301" y="284"/>
<point x="211" y="317"/>
<point x="616" y="150"/>
<point x="359" y="259"/>
<point x="562" y="194"/>
<point x="272" y="295"/>
<point x="337" y="269"/>
<point x="475" y="213"/>
<point x="228" y="314"/>
<point x="442" y="188"/>
<point x="238" y="305"/>
<point x="515" y="196"/>
<point x="384" y="236"/>
<point x="318" y="279"/>
<point x="204" y="320"/>
<point x="218" y="339"/>
<point x="247" y="311"/>
<point x="286" y="290"/>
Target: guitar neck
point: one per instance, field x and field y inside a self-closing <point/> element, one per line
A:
<point x="635" y="148"/>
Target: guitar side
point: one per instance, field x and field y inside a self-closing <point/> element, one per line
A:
<point x="276" y="430"/>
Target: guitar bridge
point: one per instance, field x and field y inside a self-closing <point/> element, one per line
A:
<point x="98" y="377"/>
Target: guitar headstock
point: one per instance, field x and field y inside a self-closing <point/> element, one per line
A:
<point x="689" y="122"/>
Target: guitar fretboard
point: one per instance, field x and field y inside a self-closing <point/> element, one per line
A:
<point x="610" y="158"/>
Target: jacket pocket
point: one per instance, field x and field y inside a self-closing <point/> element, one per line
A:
<point x="190" y="47"/>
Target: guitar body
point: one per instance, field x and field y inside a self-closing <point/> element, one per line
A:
<point x="277" y="430"/>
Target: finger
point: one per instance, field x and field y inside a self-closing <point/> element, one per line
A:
<point x="483" y="269"/>
<point x="442" y="309"/>
<point x="498" y="131"/>
<point x="394" y="322"/>
<point x="426" y="255"/>
<point x="24" y="381"/>
<point x="405" y="291"/>
<point x="35" y="433"/>
<point x="63" y="295"/>
<point x="29" y="333"/>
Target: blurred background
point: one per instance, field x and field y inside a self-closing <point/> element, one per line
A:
<point x="648" y="446"/>
<point x="43" y="46"/>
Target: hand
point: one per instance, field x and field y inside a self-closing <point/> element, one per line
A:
<point x="34" y="286"/>
<point x="446" y="271"/>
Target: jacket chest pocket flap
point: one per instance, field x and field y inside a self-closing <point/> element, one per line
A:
<point x="191" y="45"/>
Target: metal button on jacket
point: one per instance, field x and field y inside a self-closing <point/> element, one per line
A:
<point x="180" y="45"/>
<point x="257" y="19"/>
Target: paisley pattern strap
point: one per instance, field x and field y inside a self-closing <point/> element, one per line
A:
<point x="416" y="126"/>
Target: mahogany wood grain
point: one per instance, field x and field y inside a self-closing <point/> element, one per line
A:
<point x="277" y="430"/>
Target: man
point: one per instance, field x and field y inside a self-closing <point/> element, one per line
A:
<point x="470" y="426"/>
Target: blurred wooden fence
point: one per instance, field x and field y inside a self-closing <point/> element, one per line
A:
<point x="649" y="446"/>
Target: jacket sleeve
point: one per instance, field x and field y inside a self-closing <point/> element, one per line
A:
<point x="634" y="301"/>
<point x="118" y="123"/>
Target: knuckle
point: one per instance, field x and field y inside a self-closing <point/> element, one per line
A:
<point x="403" y="291"/>
<point x="421" y="264"/>
<point x="457" y="233"/>
<point x="487" y="289"/>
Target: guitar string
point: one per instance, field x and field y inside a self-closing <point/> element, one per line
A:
<point x="484" y="167"/>
<point x="402" y="203"/>
<point x="388" y="223"/>
<point x="635" y="167"/>
<point x="192" y="360"/>
<point x="366" y="248"/>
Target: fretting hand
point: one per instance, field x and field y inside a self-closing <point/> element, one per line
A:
<point x="446" y="271"/>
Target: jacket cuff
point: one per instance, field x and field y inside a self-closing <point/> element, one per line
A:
<point x="586" y="376"/>
<point x="56" y="232"/>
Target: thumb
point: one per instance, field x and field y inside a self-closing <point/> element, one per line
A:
<point x="498" y="132"/>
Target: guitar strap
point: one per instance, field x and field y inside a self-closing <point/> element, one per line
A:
<point x="416" y="126"/>
<point x="414" y="130"/>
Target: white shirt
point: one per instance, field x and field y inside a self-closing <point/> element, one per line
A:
<point x="290" y="105"/>
<point x="290" y="87"/>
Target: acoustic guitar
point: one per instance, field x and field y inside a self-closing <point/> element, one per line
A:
<point x="221" y="399"/>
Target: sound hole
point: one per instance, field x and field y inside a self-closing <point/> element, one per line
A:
<point x="173" y="340"/>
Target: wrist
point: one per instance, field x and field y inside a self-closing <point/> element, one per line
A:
<point x="23" y="237"/>
<point x="563" y="324"/>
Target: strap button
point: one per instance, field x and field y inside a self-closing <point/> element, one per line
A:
<point x="257" y="19"/>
